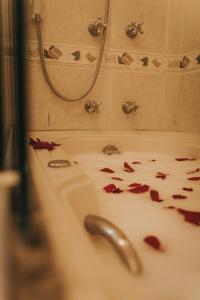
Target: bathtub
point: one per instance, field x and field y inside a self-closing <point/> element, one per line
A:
<point x="89" y="265"/>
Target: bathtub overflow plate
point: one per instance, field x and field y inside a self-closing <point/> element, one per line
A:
<point x="59" y="163"/>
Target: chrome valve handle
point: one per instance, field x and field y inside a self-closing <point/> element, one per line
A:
<point x="129" y="107"/>
<point x="133" y="29"/>
<point x="99" y="226"/>
<point x="91" y="106"/>
<point x="95" y="28"/>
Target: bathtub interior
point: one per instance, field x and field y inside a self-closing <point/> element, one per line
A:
<point x="181" y="247"/>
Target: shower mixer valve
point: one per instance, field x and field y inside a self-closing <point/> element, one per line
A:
<point x="91" y="106"/>
<point x="95" y="28"/>
<point x="129" y="107"/>
<point x="133" y="29"/>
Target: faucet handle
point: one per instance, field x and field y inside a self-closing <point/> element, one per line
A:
<point x="95" y="28"/>
<point x="129" y="107"/>
<point x="92" y="106"/>
<point x="133" y="29"/>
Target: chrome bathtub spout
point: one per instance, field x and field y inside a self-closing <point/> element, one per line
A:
<point x="99" y="226"/>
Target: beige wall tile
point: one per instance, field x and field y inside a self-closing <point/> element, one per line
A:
<point x="153" y="14"/>
<point x="188" y="108"/>
<point x="50" y="112"/>
<point x="170" y="102"/>
<point x="66" y="21"/>
<point x="173" y="34"/>
<point x="146" y="89"/>
<point x="190" y="40"/>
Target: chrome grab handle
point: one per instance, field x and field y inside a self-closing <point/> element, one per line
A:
<point x="99" y="226"/>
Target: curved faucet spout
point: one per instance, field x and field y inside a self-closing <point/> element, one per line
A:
<point x="99" y="226"/>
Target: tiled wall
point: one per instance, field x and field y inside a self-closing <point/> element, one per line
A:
<point x="161" y="74"/>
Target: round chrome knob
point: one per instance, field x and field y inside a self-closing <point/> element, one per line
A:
<point x="91" y="106"/>
<point x="133" y="29"/>
<point x="129" y="107"/>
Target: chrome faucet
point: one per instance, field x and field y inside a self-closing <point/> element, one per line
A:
<point x="91" y="106"/>
<point x="133" y="29"/>
<point x="129" y="107"/>
<point x="95" y="28"/>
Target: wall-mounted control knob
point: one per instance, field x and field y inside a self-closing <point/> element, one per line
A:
<point x="133" y="29"/>
<point x="129" y="107"/>
<point x="95" y="28"/>
<point x="91" y="106"/>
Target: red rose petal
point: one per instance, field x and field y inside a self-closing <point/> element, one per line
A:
<point x="140" y="189"/>
<point x="136" y="162"/>
<point x="161" y="177"/>
<point x="111" y="188"/>
<point x="128" y="168"/>
<point x="190" y="216"/>
<point x="117" y="178"/>
<point x="188" y="189"/>
<point x="153" y="241"/>
<point x="185" y="159"/>
<point x="135" y="184"/>
<point x="194" y="178"/>
<point x="179" y="197"/>
<point x="155" y="196"/>
<point x="117" y="191"/>
<point x="38" y="144"/>
<point x="107" y="170"/>
<point x="193" y="172"/>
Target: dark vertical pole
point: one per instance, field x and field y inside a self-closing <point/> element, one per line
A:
<point x="1" y="92"/>
<point x="21" y="110"/>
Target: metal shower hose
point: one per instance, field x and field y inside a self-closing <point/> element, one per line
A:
<point x="43" y="63"/>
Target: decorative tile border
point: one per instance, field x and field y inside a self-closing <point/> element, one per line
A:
<point x="113" y="58"/>
<point x="87" y="56"/>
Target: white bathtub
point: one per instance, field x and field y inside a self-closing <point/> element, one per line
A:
<point x="90" y="267"/>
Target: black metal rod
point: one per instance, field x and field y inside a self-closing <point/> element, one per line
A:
<point x="21" y="110"/>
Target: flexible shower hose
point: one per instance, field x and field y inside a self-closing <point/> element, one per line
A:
<point x="98" y="65"/>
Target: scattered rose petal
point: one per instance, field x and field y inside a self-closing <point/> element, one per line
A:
<point x="128" y="168"/>
<point x="185" y="159"/>
<point x="38" y="144"/>
<point x="155" y="196"/>
<point x="190" y="216"/>
<point x="188" y="189"/>
<point x="107" y="170"/>
<point x="136" y="162"/>
<point x="161" y="176"/>
<point x="194" y="178"/>
<point x="193" y="172"/>
<point x="135" y="184"/>
<point x="153" y="241"/>
<point x="117" y="191"/>
<point x="111" y="188"/>
<point x="140" y="189"/>
<point x="179" y="197"/>
<point x="117" y="178"/>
